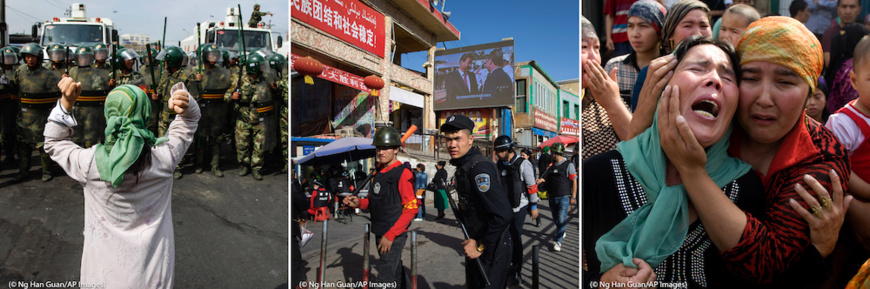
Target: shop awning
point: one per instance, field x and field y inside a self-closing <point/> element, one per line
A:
<point x="406" y="97"/>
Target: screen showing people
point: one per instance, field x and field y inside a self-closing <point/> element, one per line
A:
<point x="475" y="76"/>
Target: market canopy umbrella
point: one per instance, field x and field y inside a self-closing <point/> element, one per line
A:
<point x="345" y="149"/>
<point x="565" y="139"/>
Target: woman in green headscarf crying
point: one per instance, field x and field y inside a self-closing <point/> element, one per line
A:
<point x="129" y="238"/>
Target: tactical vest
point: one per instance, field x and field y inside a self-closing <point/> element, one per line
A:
<point x="215" y="83"/>
<point x="558" y="183"/>
<point x="321" y="199"/>
<point x="38" y="87"/>
<point x="385" y="202"/>
<point x="470" y="204"/>
<point x="340" y="185"/>
<point x="511" y="179"/>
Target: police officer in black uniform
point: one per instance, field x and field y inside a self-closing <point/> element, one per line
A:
<point x="560" y="179"/>
<point x="483" y="203"/>
<point x="518" y="179"/>
<point x="393" y="204"/>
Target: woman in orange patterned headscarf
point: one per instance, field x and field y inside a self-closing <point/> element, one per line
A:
<point x="780" y="62"/>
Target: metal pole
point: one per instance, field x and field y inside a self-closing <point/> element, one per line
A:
<point x="3" y="31"/>
<point x="321" y="276"/>
<point x="365" y="277"/>
<point x="198" y="49"/>
<point x="535" y="267"/>
<point x="164" y="33"/>
<point x="413" y="259"/>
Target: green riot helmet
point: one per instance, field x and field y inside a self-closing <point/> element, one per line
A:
<point x="101" y="52"/>
<point x="254" y="64"/>
<point x="386" y="136"/>
<point x="277" y="62"/>
<point x="225" y="57"/>
<point x="57" y="52"/>
<point x="84" y="56"/>
<point x="125" y="55"/>
<point x="31" y="49"/>
<point x="558" y="148"/>
<point x="173" y="56"/>
<point x="153" y="58"/>
<point x="211" y="53"/>
<point x="10" y="57"/>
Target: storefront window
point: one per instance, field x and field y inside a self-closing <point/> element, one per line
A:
<point x="521" y="97"/>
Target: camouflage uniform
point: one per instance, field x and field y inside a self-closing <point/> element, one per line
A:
<point x="8" y="113"/>
<point x="284" y="90"/>
<point x="254" y="119"/>
<point x="215" y="83"/>
<point x="89" y="106"/>
<point x="132" y="78"/>
<point x="256" y="17"/>
<point x="145" y="71"/>
<point x="38" y="93"/>
<point x="166" y="82"/>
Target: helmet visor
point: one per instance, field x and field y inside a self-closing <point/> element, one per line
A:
<point x="128" y="55"/>
<point x="85" y="59"/>
<point x="57" y="55"/>
<point x="10" y="59"/>
<point x="101" y="54"/>
<point x="212" y="56"/>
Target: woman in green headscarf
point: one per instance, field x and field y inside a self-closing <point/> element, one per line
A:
<point x="641" y="215"/>
<point x="129" y="238"/>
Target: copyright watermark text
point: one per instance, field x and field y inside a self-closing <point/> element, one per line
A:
<point x="52" y="284"/>
<point x="345" y="284"/>
<point x="651" y="284"/>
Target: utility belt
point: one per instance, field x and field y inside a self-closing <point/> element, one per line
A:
<point x="8" y="96"/>
<point x="92" y="98"/>
<point x="44" y="99"/>
<point x="256" y="109"/>
<point x="212" y="98"/>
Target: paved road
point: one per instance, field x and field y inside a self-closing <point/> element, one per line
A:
<point x="230" y="232"/>
<point x="440" y="261"/>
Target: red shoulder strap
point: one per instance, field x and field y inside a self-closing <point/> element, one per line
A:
<point x="862" y="124"/>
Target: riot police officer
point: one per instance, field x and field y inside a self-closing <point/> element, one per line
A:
<point x="483" y="203"/>
<point x="149" y="65"/>
<point x="215" y="83"/>
<point x="392" y="203"/>
<point x="172" y="58"/>
<point x="101" y="54"/>
<point x="57" y="55"/>
<point x="8" y="103"/>
<point x="96" y="84"/>
<point x="256" y="16"/>
<point x="38" y="93"/>
<point x="518" y="179"/>
<point x="254" y="118"/>
<point x="282" y="90"/>
<point x="127" y="59"/>
<point x="560" y="179"/>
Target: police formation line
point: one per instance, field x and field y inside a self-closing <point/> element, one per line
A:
<point x="242" y="101"/>
<point x="491" y="205"/>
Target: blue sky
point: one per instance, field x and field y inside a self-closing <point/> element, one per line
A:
<point x="146" y="17"/>
<point x="545" y="31"/>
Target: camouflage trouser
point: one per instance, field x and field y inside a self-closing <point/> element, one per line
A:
<point x="92" y="125"/>
<point x="8" y="114"/>
<point x="282" y="123"/>
<point x="31" y="125"/>
<point x="249" y="144"/>
<point x="208" y="146"/>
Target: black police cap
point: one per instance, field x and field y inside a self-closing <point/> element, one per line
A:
<point x="457" y="122"/>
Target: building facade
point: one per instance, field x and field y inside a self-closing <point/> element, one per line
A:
<point x="537" y="105"/>
<point x="353" y="40"/>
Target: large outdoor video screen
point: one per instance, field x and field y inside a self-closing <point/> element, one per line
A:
<point x="475" y="76"/>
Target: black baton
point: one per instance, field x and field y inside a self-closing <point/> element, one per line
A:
<point x="465" y="232"/>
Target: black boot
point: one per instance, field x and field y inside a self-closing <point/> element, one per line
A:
<point x="440" y="215"/>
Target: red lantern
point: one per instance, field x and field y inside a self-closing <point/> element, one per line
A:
<point x="374" y="83"/>
<point x="308" y="67"/>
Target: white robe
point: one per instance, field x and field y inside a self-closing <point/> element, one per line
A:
<point x="128" y="232"/>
